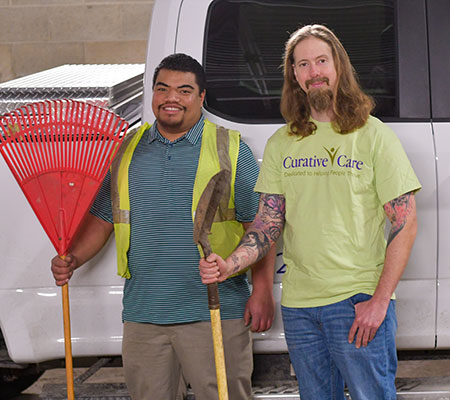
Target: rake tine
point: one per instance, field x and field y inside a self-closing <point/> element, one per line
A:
<point x="105" y="143"/>
<point x="37" y="146"/>
<point x="16" y="149"/>
<point x="23" y="144"/>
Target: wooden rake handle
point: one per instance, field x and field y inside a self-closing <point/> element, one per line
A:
<point x="67" y="340"/>
<point x="66" y="313"/>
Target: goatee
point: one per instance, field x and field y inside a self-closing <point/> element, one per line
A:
<point x="320" y="99"/>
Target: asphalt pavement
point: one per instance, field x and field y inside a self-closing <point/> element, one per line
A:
<point x="435" y="369"/>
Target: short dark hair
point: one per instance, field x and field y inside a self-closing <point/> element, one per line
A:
<point x="184" y="63"/>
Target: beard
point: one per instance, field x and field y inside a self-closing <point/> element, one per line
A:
<point x="168" y="122"/>
<point x="320" y="99"/>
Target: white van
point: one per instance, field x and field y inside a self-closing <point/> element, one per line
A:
<point x="400" y="51"/>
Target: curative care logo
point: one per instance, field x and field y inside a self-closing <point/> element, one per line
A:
<point x="332" y="153"/>
<point x="334" y="159"/>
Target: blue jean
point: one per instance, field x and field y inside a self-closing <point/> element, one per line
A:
<point x="323" y="360"/>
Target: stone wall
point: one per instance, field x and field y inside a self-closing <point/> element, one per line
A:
<point x="39" y="34"/>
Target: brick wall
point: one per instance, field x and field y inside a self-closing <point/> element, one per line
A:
<point x="40" y="34"/>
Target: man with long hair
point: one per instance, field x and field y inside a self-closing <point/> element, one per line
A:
<point x="328" y="180"/>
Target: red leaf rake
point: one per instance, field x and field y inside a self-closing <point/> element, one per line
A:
<point x="59" y="151"/>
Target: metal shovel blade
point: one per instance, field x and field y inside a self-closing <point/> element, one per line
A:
<point x="207" y="207"/>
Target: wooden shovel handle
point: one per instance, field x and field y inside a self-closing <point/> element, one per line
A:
<point x="216" y="327"/>
<point x="213" y="289"/>
<point x="213" y="296"/>
<point x="219" y="356"/>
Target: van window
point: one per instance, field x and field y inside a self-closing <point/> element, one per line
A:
<point x="244" y="46"/>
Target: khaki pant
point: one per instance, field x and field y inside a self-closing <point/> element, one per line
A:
<point x="157" y="357"/>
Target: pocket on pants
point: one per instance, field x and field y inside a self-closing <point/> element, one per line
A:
<point x="359" y="298"/>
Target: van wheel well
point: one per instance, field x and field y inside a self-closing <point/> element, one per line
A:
<point x="15" y="378"/>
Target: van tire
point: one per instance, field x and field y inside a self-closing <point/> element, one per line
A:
<point x="14" y="381"/>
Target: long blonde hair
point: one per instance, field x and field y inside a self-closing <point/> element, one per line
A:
<point x="351" y="106"/>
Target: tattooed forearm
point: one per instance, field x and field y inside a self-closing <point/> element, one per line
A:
<point x="235" y="260"/>
<point x="397" y="212"/>
<point x="272" y="211"/>
<point x="255" y="241"/>
<point x="263" y="232"/>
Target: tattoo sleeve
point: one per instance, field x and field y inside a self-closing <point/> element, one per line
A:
<point x="264" y="231"/>
<point x="397" y="211"/>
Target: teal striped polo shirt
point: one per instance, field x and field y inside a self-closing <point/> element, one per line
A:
<point x="165" y="285"/>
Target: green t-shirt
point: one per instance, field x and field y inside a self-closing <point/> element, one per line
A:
<point x="335" y="187"/>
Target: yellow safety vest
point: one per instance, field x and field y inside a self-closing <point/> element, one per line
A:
<point x="219" y="150"/>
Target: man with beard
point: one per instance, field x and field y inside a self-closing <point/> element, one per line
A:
<point x="338" y="290"/>
<point x="149" y="199"/>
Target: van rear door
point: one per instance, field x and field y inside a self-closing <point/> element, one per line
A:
<point x="439" y="33"/>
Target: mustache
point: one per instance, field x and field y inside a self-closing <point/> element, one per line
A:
<point x="316" y="80"/>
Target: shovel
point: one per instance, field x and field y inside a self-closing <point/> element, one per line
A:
<point x="204" y="216"/>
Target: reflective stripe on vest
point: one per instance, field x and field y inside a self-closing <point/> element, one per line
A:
<point x="219" y="150"/>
